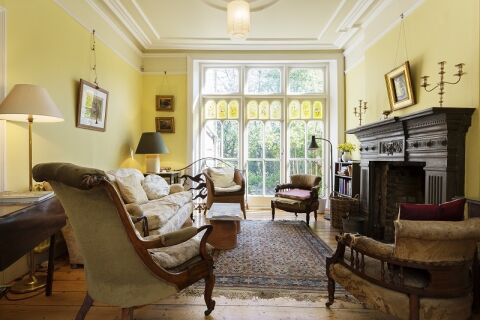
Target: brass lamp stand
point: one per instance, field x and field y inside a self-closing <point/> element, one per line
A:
<point x="26" y="103"/>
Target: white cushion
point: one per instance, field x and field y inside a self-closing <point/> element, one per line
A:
<point x="155" y="187"/>
<point x="222" y="177"/>
<point x="229" y="189"/>
<point x="131" y="189"/>
<point x="123" y="172"/>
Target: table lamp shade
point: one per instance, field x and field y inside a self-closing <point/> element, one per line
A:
<point x="151" y="143"/>
<point x="26" y="100"/>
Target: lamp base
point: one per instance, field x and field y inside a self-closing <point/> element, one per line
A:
<point x="29" y="284"/>
<point x="152" y="162"/>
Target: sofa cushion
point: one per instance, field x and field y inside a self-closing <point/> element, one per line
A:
<point x="452" y="210"/>
<point x="155" y="187"/>
<point x="222" y="177"/>
<point x="233" y="188"/>
<point x="131" y="189"/>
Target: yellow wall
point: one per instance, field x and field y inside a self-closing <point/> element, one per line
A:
<point x="175" y="85"/>
<point x="437" y="30"/>
<point x="47" y="47"/>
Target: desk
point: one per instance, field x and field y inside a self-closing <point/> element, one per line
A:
<point x="25" y="226"/>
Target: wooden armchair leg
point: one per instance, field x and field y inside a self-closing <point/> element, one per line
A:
<point x="87" y="303"/>
<point x="308" y="218"/>
<point x="209" y="283"/>
<point x="273" y="212"/>
<point x="414" y="307"/>
<point x="127" y="313"/>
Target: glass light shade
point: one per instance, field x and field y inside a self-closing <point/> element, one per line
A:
<point x="238" y="19"/>
<point x="26" y="100"/>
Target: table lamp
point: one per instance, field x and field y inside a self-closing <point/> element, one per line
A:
<point x="151" y="145"/>
<point x="29" y="103"/>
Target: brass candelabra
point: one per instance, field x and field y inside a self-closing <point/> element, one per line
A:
<point x="441" y="84"/>
<point x="361" y="110"/>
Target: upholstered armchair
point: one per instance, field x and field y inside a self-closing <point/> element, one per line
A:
<point x="298" y="196"/>
<point x="122" y="268"/>
<point x="426" y="274"/>
<point x="225" y="185"/>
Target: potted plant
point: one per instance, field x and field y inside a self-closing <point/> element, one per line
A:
<point x="346" y="149"/>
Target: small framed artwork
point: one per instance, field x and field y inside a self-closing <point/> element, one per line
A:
<point x="164" y="103"/>
<point x="165" y="124"/>
<point x="399" y="87"/>
<point x="92" y="107"/>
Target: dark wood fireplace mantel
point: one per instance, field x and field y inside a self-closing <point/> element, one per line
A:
<point x="434" y="136"/>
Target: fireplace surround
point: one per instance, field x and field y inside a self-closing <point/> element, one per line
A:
<point x="419" y="157"/>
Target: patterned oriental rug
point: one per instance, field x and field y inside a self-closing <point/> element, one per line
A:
<point x="272" y="259"/>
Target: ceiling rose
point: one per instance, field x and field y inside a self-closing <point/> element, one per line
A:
<point x="255" y="5"/>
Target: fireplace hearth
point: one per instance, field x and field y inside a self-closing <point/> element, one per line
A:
<point x="417" y="158"/>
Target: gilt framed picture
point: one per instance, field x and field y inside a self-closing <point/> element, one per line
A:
<point x="399" y="87"/>
<point x="92" y="107"/>
<point x="165" y="124"/>
<point x="164" y="103"/>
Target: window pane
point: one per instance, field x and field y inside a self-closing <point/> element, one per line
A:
<point x="263" y="81"/>
<point x="294" y="109"/>
<point x="233" y="108"/>
<point x="272" y="176"/>
<point x="221" y="81"/>
<point x="263" y="110"/>
<point x="272" y="140"/>
<point x="276" y="110"/>
<point x="213" y="138"/>
<point x="297" y="139"/>
<point x="210" y="109"/>
<point x="305" y="80"/>
<point x="317" y="110"/>
<point x="230" y="139"/>
<point x="252" y="110"/>
<point x="255" y="139"/>
<point x="255" y="177"/>
<point x="314" y="167"/>
<point x="222" y="109"/>
<point x="296" y="167"/>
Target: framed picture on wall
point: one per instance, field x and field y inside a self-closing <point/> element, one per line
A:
<point x="92" y="107"/>
<point x="164" y="103"/>
<point x="399" y="87"/>
<point x="165" y="124"/>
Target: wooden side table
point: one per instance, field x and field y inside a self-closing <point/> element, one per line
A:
<point x="22" y="227"/>
<point x="225" y="219"/>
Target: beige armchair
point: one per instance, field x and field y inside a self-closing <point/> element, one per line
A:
<point x="121" y="267"/>
<point x="426" y="274"/>
<point x="231" y="191"/>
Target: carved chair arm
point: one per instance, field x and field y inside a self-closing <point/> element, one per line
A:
<point x="238" y="179"/>
<point x="367" y="246"/>
<point x="314" y="192"/>
<point x="144" y="221"/>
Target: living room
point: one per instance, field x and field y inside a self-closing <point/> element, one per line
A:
<point x="351" y="45"/>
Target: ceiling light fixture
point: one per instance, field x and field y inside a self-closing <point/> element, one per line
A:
<point x="238" y="19"/>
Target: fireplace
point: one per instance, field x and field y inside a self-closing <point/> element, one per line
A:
<point x="415" y="158"/>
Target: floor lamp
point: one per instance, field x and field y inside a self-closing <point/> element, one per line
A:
<point x="314" y="146"/>
<point x="29" y="103"/>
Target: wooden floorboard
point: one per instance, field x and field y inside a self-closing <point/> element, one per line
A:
<point x="69" y="289"/>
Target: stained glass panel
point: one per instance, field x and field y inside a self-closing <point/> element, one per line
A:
<point x="294" y="109"/>
<point x="317" y="110"/>
<point x="210" y="109"/>
<point x="222" y="109"/>
<point x="263" y="110"/>
<point x="276" y="110"/>
<point x="306" y="109"/>
<point x="252" y="110"/>
<point x="233" y="108"/>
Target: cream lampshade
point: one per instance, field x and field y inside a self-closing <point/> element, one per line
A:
<point x="238" y="19"/>
<point x="29" y="103"/>
<point x="151" y="145"/>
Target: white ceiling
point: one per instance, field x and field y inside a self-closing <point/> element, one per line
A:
<point x="154" y="25"/>
<point x="138" y="28"/>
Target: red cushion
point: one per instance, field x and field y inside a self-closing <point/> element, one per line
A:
<point x="452" y="210"/>
<point x="448" y="211"/>
<point x="413" y="211"/>
<point x="296" y="194"/>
